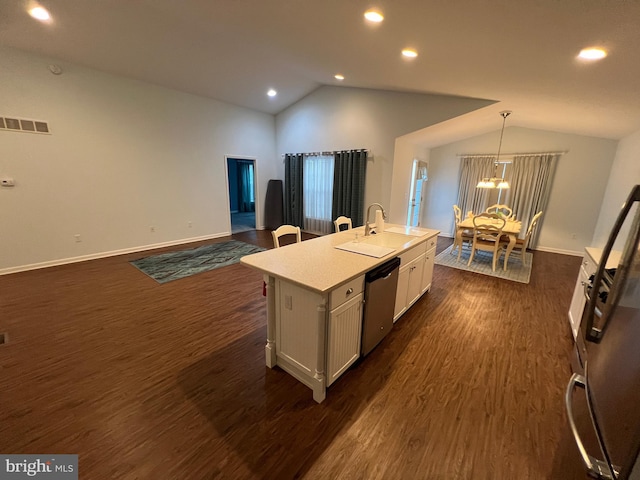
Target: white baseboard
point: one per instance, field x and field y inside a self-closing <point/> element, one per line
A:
<point x="561" y="251"/>
<point x="113" y="253"/>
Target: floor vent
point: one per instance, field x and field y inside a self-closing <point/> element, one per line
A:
<point x="24" y="125"/>
<point x="3" y="338"/>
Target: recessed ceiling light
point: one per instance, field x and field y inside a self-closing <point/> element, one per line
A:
<point x="409" y="53"/>
<point x="272" y="92"/>
<point x="592" y="53"/>
<point x="373" y="16"/>
<point x="40" y="13"/>
<point x="337" y="76"/>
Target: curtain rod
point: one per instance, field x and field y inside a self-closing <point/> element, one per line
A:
<point x="326" y="153"/>
<point x="510" y="154"/>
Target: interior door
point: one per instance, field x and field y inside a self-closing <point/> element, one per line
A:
<point x="416" y="196"/>
<point x="241" y="186"/>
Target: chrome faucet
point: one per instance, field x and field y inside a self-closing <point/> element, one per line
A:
<point x="367" y="227"/>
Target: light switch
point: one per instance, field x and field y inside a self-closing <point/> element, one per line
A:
<point x="287" y="302"/>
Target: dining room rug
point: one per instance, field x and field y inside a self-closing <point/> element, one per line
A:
<point x="166" y="267"/>
<point x="516" y="271"/>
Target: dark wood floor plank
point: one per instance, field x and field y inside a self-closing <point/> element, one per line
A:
<point x="144" y="380"/>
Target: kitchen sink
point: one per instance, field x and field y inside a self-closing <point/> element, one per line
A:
<point x="387" y="239"/>
<point x="376" y="245"/>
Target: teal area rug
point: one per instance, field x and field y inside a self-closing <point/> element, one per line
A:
<point x="166" y="267"/>
<point x="516" y="271"/>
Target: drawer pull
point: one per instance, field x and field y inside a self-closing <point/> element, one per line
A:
<point x="349" y="291"/>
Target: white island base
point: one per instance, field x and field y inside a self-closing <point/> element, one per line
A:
<point x="315" y="298"/>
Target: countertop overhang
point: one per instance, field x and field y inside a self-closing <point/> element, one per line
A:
<point x="315" y="264"/>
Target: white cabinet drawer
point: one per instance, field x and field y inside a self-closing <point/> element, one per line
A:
<point x="413" y="253"/>
<point x="346" y="292"/>
<point x="431" y="243"/>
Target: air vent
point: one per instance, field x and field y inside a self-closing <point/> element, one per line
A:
<point x="24" y="125"/>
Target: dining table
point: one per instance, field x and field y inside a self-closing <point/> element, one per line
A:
<point x="511" y="229"/>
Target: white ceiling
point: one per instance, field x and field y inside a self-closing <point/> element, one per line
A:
<point x="521" y="53"/>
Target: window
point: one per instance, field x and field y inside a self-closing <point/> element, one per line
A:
<point x="318" y="193"/>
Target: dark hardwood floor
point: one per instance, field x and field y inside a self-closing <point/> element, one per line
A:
<point x="150" y="381"/>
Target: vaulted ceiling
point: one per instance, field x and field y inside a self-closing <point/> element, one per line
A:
<point x="521" y="54"/>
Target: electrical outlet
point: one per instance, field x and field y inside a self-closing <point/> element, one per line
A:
<point x="77" y="237"/>
<point x="288" y="304"/>
<point x="189" y="224"/>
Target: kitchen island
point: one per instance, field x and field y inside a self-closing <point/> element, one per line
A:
<point x="315" y="293"/>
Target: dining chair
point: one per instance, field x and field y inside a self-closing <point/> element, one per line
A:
<point x="466" y="235"/>
<point x="487" y="230"/>
<point x="502" y="211"/>
<point x="342" y="220"/>
<point x="520" y="248"/>
<point x="285" y="230"/>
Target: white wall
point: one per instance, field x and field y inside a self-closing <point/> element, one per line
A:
<point x="625" y="173"/>
<point x="577" y="191"/>
<point x="336" y="118"/>
<point x="123" y="156"/>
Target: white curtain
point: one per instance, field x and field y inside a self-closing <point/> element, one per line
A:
<point x="472" y="170"/>
<point x="530" y="180"/>
<point x="318" y="193"/>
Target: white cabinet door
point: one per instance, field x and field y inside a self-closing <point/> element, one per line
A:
<point x="409" y="286"/>
<point x="401" y="292"/>
<point x="578" y="302"/>
<point x="344" y="334"/>
<point x="415" y="280"/>
<point x="427" y="273"/>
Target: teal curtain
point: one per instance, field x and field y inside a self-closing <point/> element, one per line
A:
<point x="348" y="185"/>
<point x="246" y="202"/>
<point x="293" y="190"/>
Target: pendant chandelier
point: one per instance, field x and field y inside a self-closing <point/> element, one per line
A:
<point x="497" y="182"/>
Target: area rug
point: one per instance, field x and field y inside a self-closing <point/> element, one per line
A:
<point x="166" y="267"/>
<point x="516" y="271"/>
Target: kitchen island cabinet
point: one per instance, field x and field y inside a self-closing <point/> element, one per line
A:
<point x="315" y="295"/>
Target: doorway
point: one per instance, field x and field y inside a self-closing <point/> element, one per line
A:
<point x="242" y="193"/>
<point x="416" y="196"/>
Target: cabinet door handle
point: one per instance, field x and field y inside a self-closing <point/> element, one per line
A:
<point x="349" y="291"/>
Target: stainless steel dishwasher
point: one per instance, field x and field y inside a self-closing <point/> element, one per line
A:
<point x="379" y="303"/>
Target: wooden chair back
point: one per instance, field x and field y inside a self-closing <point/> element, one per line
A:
<point x="458" y="214"/>
<point x="342" y="220"/>
<point x="530" y="230"/>
<point x="285" y="230"/>
<point x="503" y="211"/>
<point x="487" y="230"/>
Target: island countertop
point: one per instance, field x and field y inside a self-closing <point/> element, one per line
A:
<point x="317" y="265"/>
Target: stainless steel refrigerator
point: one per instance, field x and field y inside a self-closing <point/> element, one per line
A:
<point x="610" y="383"/>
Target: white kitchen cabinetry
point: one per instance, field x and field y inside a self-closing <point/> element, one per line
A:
<point x="344" y="334"/>
<point x="578" y="301"/>
<point x="315" y="294"/>
<point x="588" y="267"/>
<point x="409" y="279"/>
<point x="429" y="262"/>
<point x="303" y="323"/>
